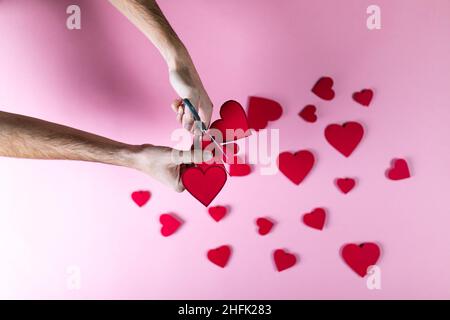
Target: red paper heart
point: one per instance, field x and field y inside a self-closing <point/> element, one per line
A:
<point x="264" y="226"/>
<point x="217" y="212"/>
<point x="363" y="97"/>
<point x="239" y="169"/>
<point x="234" y="119"/>
<point x="309" y="113"/>
<point x="296" y="166"/>
<point x="283" y="260"/>
<point x="170" y="224"/>
<point x="360" y="257"/>
<point x="141" y="197"/>
<point x="220" y="255"/>
<point x="344" y="138"/>
<point x="345" y="184"/>
<point x="324" y="88"/>
<point x="315" y="219"/>
<point x="204" y="183"/>
<point x="399" y="170"/>
<point x="261" y="111"/>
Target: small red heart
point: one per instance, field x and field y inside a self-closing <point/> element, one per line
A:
<point x="170" y="224"/>
<point x="141" y="197"/>
<point x="399" y="170"/>
<point x="296" y="166"/>
<point x="217" y="212"/>
<point x="344" y="138"/>
<point x="315" y="219"/>
<point x="233" y="124"/>
<point x="309" y="113"/>
<point x="220" y="255"/>
<point x="239" y="169"/>
<point x="360" y="257"/>
<point x="204" y="183"/>
<point x="261" y="111"/>
<point x="324" y="88"/>
<point x="345" y="184"/>
<point x="363" y="97"/>
<point x="283" y="260"/>
<point x="264" y="226"/>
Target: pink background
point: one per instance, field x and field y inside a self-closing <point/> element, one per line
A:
<point x="108" y="79"/>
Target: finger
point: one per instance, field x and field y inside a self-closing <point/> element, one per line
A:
<point x="176" y="104"/>
<point x="188" y="121"/>
<point x="180" y="114"/>
<point x="197" y="129"/>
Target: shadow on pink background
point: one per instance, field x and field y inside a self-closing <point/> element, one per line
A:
<point x="108" y="79"/>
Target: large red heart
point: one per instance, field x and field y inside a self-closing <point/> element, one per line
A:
<point x="204" y="183"/>
<point x="141" y="197"/>
<point x="238" y="169"/>
<point x="363" y="97"/>
<point x="283" y="260"/>
<point x="296" y="166"/>
<point x="233" y="124"/>
<point x="264" y="225"/>
<point x="345" y="184"/>
<point x="309" y="113"/>
<point x="324" y="88"/>
<point x="220" y="255"/>
<point x="261" y="111"/>
<point x="217" y="212"/>
<point x="344" y="138"/>
<point x="169" y="223"/>
<point x="399" y="170"/>
<point x="360" y="257"/>
<point x="315" y="219"/>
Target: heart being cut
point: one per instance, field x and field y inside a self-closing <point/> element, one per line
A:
<point x="233" y="124"/>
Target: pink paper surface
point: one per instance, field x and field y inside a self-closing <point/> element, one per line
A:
<point x="108" y="79"/>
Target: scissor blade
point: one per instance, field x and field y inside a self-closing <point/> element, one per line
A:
<point x="217" y="145"/>
<point x="220" y="148"/>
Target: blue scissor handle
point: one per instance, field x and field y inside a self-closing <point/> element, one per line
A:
<point x="194" y="112"/>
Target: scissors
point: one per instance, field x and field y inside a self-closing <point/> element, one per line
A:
<point x="197" y="119"/>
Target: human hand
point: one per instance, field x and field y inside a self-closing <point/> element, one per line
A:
<point x="186" y="82"/>
<point x="166" y="164"/>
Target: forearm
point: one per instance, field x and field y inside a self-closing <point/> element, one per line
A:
<point x="26" y="137"/>
<point x="183" y="76"/>
<point x="148" y="17"/>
